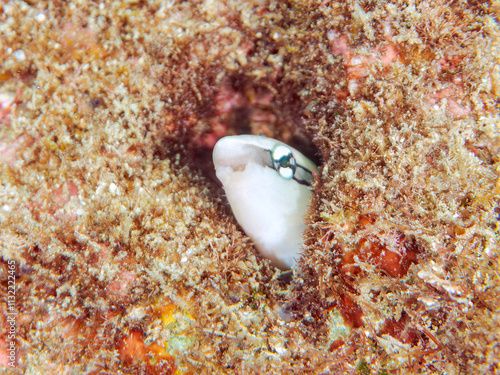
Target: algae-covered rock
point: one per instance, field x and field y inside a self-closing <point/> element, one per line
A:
<point x="113" y="227"/>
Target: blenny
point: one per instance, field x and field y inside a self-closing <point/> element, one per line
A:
<point x="268" y="186"/>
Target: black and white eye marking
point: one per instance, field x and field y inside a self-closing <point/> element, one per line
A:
<point x="284" y="163"/>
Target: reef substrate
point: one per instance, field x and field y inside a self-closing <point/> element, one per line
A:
<point x="127" y="259"/>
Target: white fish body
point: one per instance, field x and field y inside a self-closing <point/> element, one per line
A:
<point x="267" y="184"/>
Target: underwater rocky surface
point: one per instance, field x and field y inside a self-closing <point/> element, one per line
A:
<point x="127" y="258"/>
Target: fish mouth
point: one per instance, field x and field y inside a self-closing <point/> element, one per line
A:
<point x="233" y="153"/>
<point x="239" y="168"/>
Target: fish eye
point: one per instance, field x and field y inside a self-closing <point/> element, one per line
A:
<point x="283" y="161"/>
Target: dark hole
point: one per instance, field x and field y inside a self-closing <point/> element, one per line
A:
<point x="95" y="103"/>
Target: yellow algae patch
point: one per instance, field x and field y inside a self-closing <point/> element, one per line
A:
<point x="177" y="324"/>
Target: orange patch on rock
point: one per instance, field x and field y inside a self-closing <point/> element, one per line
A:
<point x="350" y="311"/>
<point x="336" y="344"/>
<point x="80" y="42"/>
<point x="399" y="329"/>
<point x="131" y="348"/>
<point x="372" y="251"/>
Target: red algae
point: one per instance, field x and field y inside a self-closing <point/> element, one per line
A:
<point x="351" y="312"/>
<point x="131" y="347"/>
<point x="132" y="350"/>
<point x="394" y="263"/>
<point x="400" y="330"/>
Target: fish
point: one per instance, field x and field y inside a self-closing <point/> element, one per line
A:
<point x="268" y="185"/>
